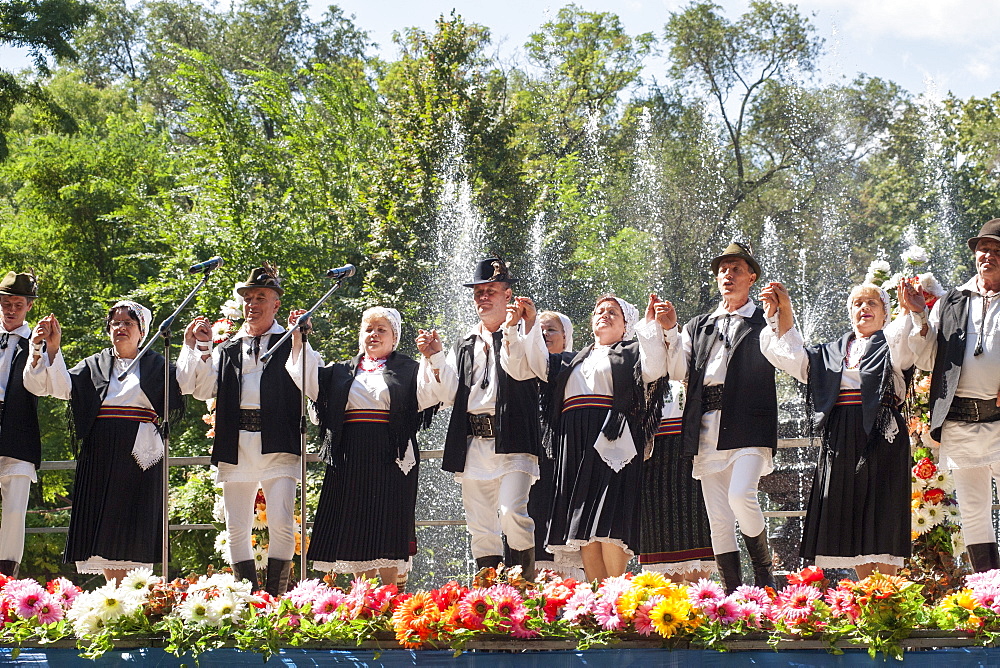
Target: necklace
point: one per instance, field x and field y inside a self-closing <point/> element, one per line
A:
<point x="371" y="364"/>
<point x="852" y="353"/>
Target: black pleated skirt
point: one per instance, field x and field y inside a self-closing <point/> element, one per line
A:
<point x="673" y="520"/>
<point x="366" y="507"/>
<point x="540" y="504"/>
<point x="855" y="512"/>
<point x="591" y="499"/>
<point x="117" y="506"/>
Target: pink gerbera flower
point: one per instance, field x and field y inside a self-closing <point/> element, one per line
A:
<point x="705" y="591"/>
<point x="606" y="612"/>
<point x="751" y="593"/>
<point x="27" y="600"/>
<point x="473" y="608"/>
<point x="48" y="610"/>
<point x="581" y="603"/>
<point x="795" y="602"/>
<point x="725" y="610"/>
<point x="510" y="607"/>
<point x="326" y="605"/>
<point x="519" y="625"/>
<point x="306" y="591"/>
<point x="640" y="619"/>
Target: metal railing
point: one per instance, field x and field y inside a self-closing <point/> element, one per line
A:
<point x="69" y="465"/>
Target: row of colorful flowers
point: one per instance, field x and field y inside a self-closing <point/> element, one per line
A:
<point x="197" y="614"/>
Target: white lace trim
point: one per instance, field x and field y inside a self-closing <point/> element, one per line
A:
<point x="408" y="461"/>
<point x="682" y="567"/>
<point x="562" y="571"/>
<point x="616" y="453"/>
<point x="10" y="466"/>
<point x="576" y="544"/>
<point x="401" y="565"/>
<point x="850" y="562"/>
<point x="98" y="564"/>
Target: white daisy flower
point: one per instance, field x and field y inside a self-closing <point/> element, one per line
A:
<point x="260" y="557"/>
<point x="930" y="284"/>
<point x="194" y="609"/>
<point x="259" y="523"/>
<point x="893" y="282"/>
<point x="139" y="580"/>
<point x="222" y="546"/>
<point x="232" y="309"/>
<point x="109" y="603"/>
<point x="944" y="480"/>
<point x="87" y="625"/>
<point x="220" y="609"/>
<point x="935" y="514"/>
<point x="878" y="271"/>
<point x="919" y="522"/>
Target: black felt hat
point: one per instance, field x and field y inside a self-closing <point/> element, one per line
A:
<point x="736" y="249"/>
<point x="491" y="270"/>
<point x="991" y="230"/>
<point x="262" y="277"/>
<point x="19" y="285"/>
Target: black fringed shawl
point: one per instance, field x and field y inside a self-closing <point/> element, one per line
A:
<point x="879" y="404"/>
<point x="92" y="377"/>
<point x="405" y="419"/>
<point x="632" y="402"/>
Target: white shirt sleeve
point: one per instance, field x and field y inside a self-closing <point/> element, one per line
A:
<point x="903" y="337"/>
<point x="524" y="356"/>
<point x="313" y="363"/>
<point x="444" y="383"/>
<point x="786" y="353"/>
<point x="48" y="379"/>
<point x="196" y="376"/>
<point x="924" y="348"/>
<point x="652" y="350"/>
<point x="678" y="352"/>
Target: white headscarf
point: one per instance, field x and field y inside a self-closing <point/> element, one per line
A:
<point x="883" y="295"/>
<point x="630" y="312"/>
<point x="145" y="315"/>
<point x="390" y="314"/>
<point x="567" y="327"/>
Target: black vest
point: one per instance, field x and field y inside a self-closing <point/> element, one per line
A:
<point x="826" y="366"/>
<point x="20" y="436"/>
<point x="280" y="404"/>
<point x="749" y="416"/>
<point x="335" y="382"/>
<point x="951" y="342"/>
<point x="92" y="377"/>
<point x="517" y="418"/>
<point x="628" y="402"/>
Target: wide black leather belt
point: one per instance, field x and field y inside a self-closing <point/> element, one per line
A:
<point x="483" y="426"/>
<point x="973" y="410"/>
<point x="250" y="419"/>
<point x="711" y="398"/>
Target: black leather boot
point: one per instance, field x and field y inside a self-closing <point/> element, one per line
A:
<point x="526" y="560"/>
<point x="247" y="570"/>
<point x="9" y="568"/>
<point x="491" y="561"/>
<point x="730" y="570"/>
<point x="279" y="572"/>
<point x="984" y="557"/>
<point x="760" y="559"/>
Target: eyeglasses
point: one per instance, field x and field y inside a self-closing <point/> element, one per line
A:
<point x="129" y="324"/>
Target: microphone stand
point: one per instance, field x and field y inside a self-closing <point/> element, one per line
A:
<point x="302" y="413"/>
<point x="164" y="331"/>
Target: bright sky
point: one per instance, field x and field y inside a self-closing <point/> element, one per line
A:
<point x="927" y="46"/>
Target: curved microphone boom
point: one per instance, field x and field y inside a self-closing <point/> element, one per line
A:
<point x="341" y="272"/>
<point x="208" y="265"/>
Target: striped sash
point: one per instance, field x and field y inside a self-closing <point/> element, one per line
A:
<point x="849" y="398"/>
<point x="366" y="415"/>
<point x="587" y="401"/>
<point x="669" y="427"/>
<point x="129" y="413"/>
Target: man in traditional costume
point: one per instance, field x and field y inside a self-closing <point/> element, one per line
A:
<point x="257" y="439"/>
<point x="730" y="420"/>
<point x="493" y="441"/>
<point x="20" y="440"/>
<point x="961" y="347"/>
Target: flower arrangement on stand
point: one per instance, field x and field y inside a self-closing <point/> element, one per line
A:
<point x="935" y="518"/>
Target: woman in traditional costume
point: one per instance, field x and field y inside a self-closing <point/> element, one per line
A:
<point x="115" y="524"/>
<point x="858" y="515"/>
<point x="599" y="426"/>
<point x="676" y="538"/>
<point x="369" y="410"/>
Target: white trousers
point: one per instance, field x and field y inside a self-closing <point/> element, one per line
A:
<point x="239" y="498"/>
<point x="974" y="488"/>
<point x="498" y="507"/>
<point x="14" y="495"/>
<point x="731" y="497"/>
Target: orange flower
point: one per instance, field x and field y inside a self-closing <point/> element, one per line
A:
<point x="416" y="616"/>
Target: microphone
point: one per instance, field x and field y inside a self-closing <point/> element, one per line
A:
<point x="341" y="272"/>
<point x="206" y="266"/>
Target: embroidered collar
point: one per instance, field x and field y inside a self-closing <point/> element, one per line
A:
<point x="744" y="311"/>
<point x="244" y="333"/>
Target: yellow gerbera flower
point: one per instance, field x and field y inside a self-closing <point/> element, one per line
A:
<point x="668" y="617"/>
<point x="650" y="579"/>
